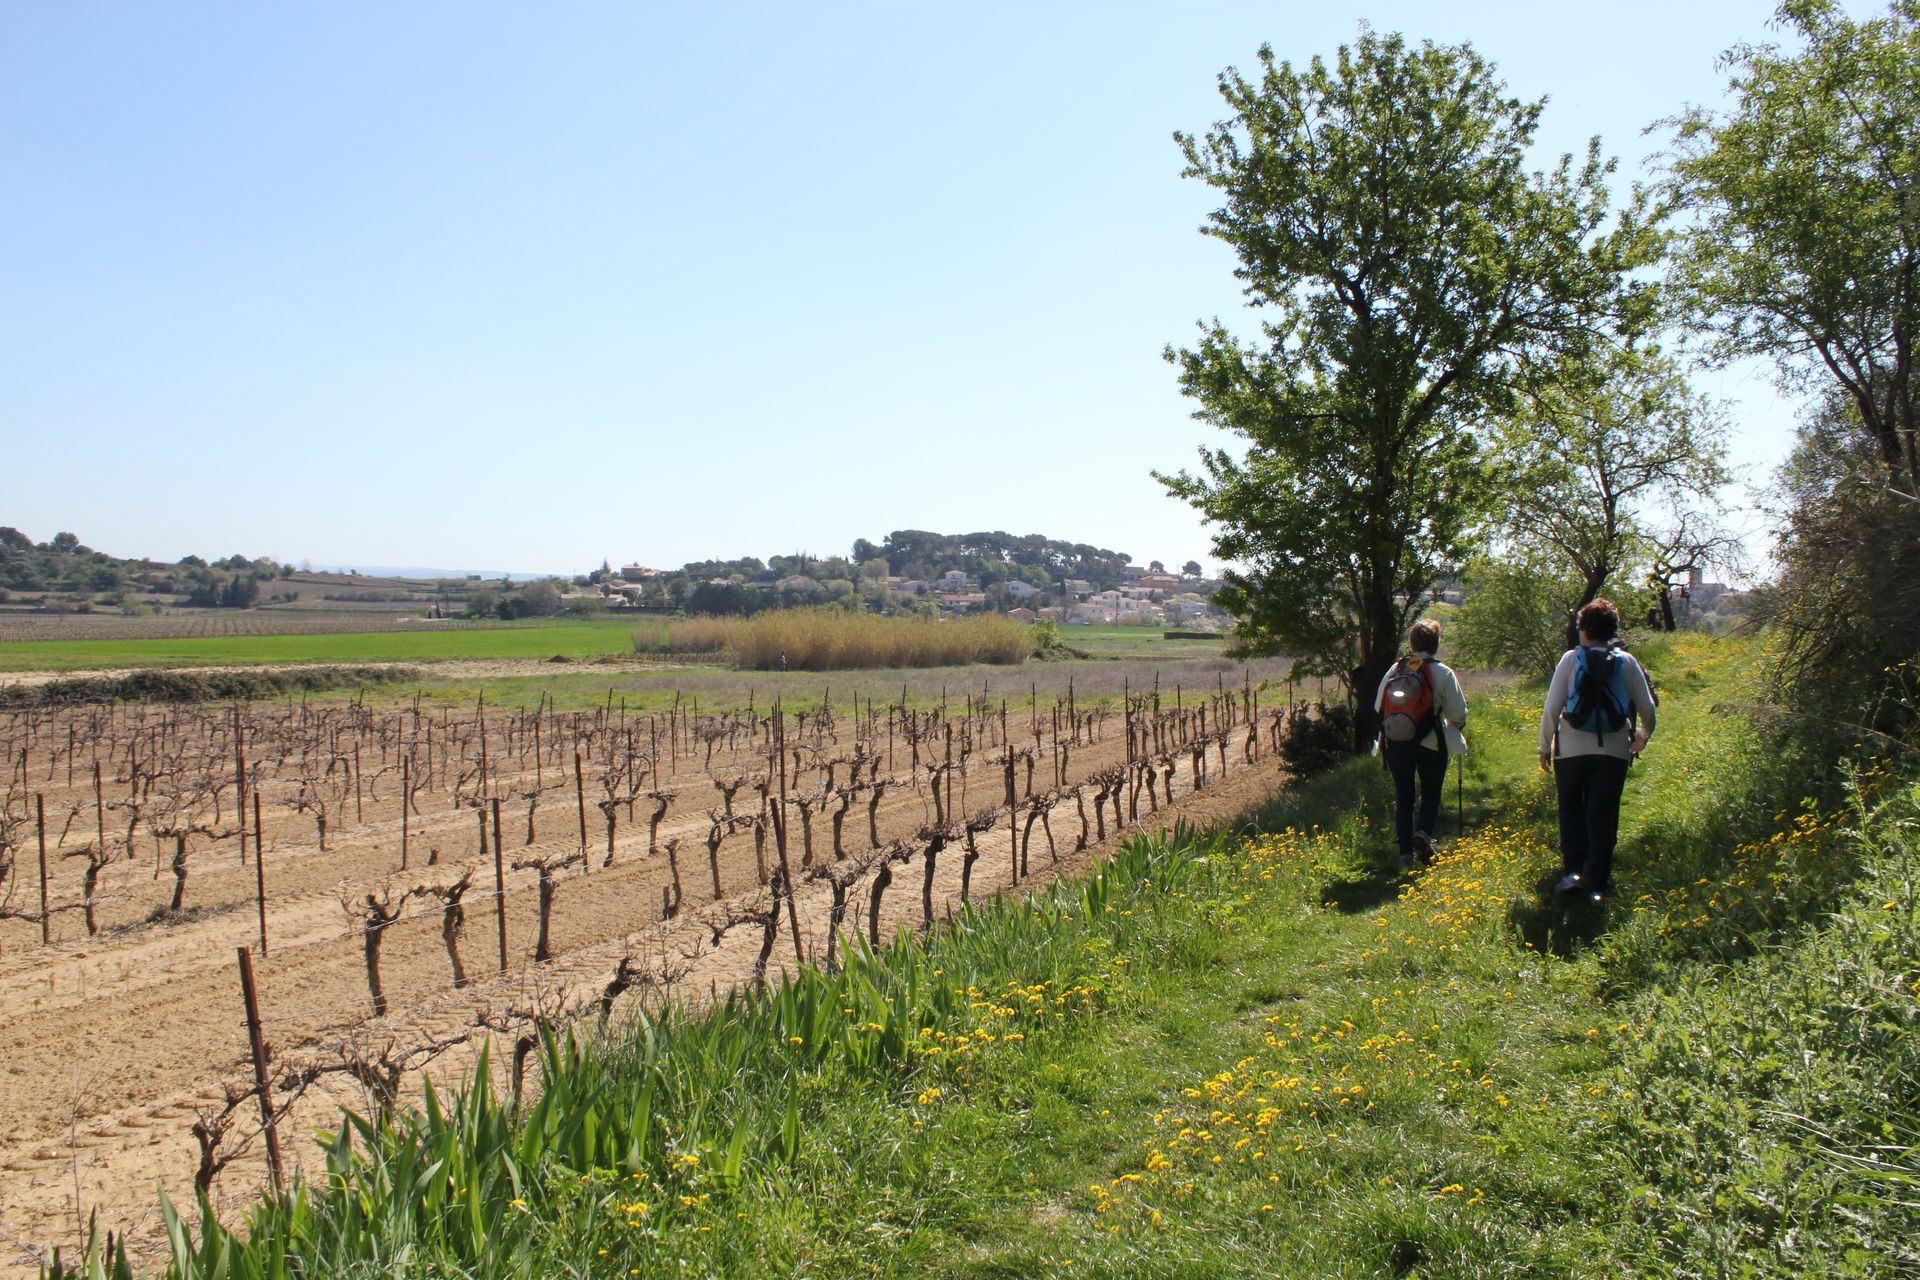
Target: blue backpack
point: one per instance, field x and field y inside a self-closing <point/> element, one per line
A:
<point x="1598" y="703"/>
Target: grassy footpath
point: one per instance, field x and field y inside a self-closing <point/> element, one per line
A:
<point x="572" y="638"/>
<point x="1255" y="1055"/>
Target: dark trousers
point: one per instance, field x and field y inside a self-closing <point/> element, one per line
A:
<point x="1589" y="788"/>
<point x="1411" y="763"/>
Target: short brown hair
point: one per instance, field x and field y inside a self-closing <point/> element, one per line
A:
<point x="1600" y="620"/>
<point x="1426" y="636"/>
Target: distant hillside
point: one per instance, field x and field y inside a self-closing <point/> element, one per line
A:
<point x="64" y="575"/>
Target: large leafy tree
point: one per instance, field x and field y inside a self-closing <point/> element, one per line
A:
<point x="1806" y="249"/>
<point x="1613" y="454"/>
<point x="1415" y="272"/>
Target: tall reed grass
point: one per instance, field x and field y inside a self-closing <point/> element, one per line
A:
<point x="827" y="640"/>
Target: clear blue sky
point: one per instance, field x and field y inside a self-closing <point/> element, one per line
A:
<point x="526" y="285"/>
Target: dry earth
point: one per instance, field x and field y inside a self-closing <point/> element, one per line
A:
<point x="112" y="1045"/>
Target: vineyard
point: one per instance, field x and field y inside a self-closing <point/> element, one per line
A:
<point x="410" y="882"/>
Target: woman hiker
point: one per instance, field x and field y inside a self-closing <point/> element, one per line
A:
<point x="1421" y="710"/>
<point x="1597" y="718"/>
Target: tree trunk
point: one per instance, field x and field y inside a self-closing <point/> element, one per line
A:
<point x="714" y="838"/>
<point x="452" y="920"/>
<point x="541" y="951"/>
<point x="179" y="872"/>
<point x="971" y="856"/>
<point x="370" y="937"/>
<point x="926" y="879"/>
<point x="673" y="866"/>
<point x="92" y="880"/>
<point x="835" y="915"/>
<point x="881" y="879"/>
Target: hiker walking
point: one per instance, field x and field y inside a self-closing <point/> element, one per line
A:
<point x="1421" y="710"/>
<point x="1598" y="716"/>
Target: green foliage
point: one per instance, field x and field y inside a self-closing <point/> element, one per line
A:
<point x="721" y="598"/>
<point x="1767" y="1109"/>
<point x="1805" y="251"/>
<point x="1515" y="611"/>
<point x="1805" y="248"/>
<point x="1409" y="300"/>
<point x="1846" y="597"/>
<point x="1316" y="737"/>
<point x="1042" y="561"/>
<point x="67" y="565"/>
<point x="539" y="599"/>
<point x="1601" y="459"/>
<point x="1043" y="637"/>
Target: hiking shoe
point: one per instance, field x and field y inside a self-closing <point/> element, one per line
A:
<point x="1423" y="846"/>
<point x="1409" y="863"/>
<point x="1568" y="882"/>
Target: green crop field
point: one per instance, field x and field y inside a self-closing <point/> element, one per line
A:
<point x="576" y="639"/>
<point x="1135" y="642"/>
<point x="432" y="642"/>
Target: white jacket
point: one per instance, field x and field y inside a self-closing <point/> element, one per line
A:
<point x="1562" y="739"/>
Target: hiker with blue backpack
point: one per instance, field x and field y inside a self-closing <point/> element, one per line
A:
<point x="1598" y="716"/>
<point x="1421" y="710"/>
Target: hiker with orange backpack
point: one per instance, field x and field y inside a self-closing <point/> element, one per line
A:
<point x="1421" y="710"/>
<point x="1598" y="716"/>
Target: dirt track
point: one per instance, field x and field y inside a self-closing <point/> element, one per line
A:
<point x="113" y="1044"/>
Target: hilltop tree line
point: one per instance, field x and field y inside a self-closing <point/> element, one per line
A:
<point x="67" y="574"/>
<point x="1471" y="369"/>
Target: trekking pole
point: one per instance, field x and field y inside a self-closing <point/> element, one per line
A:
<point x="1460" y="799"/>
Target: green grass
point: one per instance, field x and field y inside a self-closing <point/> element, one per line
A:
<point x="1256" y="1055"/>
<point x="1136" y="642"/>
<point x="578" y="639"/>
<point x="585" y="638"/>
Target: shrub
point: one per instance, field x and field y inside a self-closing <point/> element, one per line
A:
<point x="1316" y="737"/>
<point x="1043" y="637"/>
<point x="202" y="686"/>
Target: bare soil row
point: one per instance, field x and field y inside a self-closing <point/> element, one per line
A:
<point x="113" y="1045"/>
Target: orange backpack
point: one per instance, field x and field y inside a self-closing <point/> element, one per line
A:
<point x="1407" y="712"/>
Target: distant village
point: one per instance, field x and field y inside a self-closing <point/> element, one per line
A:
<point x="1031" y="578"/>
<point x="1143" y="598"/>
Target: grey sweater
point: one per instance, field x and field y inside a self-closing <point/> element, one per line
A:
<point x="1582" y="742"/>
